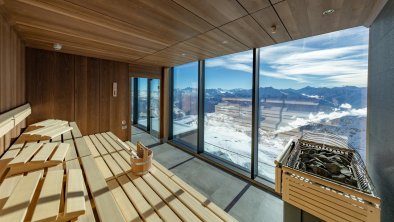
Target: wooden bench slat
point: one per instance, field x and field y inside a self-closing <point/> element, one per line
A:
<point x="162" y="168"/>
<point x="61" y="152"/>
<point x="104" y="169"/>
<point x="43" y="130"/>
<point x="126" y="156"/>
<point x="17" y="146"/>
<point x="17" y="204"/>
<point x="111" y="141"/>
<point x="67" y="134"/>
<point x="98" y="145"/>
<point x="57" y="167"/>
<point x="75" y="131"/>
<point x="71" y="153"/>
<point x="75" y="199"/>
<point x="178" y="207"/>
<point x="73" y="164"/>
<point x="65" y="130"/>
<point x="82" y="147"/>
<point x="124" y="145"/>
<point x="105" y="203"/>
<point x="205" y="201"/>
<point x="106" y="145"/>
<point x="113" y="166"/>
<point x="47" y="207"/>
<point x="26" y="154"/>
<point x="142" y="206"/>
<point x="186" y="198"/>
<point x="91" y="147"/>
<point x="57" y="139"/>
<point x="10" y="154"/>
<point x="127" y="208"/>
<point x="121" y="162"/>
<point x="50" y="122"/>
<point x="6" y="188"/>
<point x="89" y="215"/>
<point x="44" y="153"/>
<point x="154" y="200"/>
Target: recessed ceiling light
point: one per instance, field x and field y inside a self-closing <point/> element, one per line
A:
<point x="273" y="29"/>
<point x="328" y="11"/>
<point x="224" y="42"/>
<point x="57" y="46"/>
<point x="183" y="54"/>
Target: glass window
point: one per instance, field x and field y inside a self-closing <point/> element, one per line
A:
<point x="228" y="108"/>
<point x="185" y="105"/>
<point x="315" y="84"/>
<point x="142" y="102"/>
<point x="132" y="99"/>
<point x="155" y="107"/>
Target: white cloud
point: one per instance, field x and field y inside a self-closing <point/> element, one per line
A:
<point x="345" y="106"/>
<point x="334" y="59"/>
<point x="312" y="96"/>
<point x="321" y="117"/>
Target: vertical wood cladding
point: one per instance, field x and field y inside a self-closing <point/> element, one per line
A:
<point x="77" y="88"/>
<point x="12" y="76"/>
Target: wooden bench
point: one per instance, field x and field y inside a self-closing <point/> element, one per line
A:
<point x="45" y="130"/>
<point x="74" y="200"/>
<point x="158" y="195"/>
<point x="38" y="198"/>
<point x="37" y="156"/>
<point x="110" y="191"/>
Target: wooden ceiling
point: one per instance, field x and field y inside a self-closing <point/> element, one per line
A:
<point x="171" y="32"/>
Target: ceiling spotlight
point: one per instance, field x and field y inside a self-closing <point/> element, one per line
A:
<point x="273" y="29"/>
<point x="57" y="46"/>
<point x="183" y="54"/>
<point x="328" y="11"/>
<point x="224" y="42"/>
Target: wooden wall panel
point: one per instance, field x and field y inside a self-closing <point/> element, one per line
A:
<point x="105" y="94"/>
<point x="63" y="87"/>
<point x="12" y="80"/>
<point x="78" y="88"/>
<point x="118" y="108"/>
<point x="39" y="79"/>
<point x="87" y="94"/>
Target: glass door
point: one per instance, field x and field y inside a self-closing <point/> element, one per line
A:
<point x="154" y="107"/>
<point x="142" y="103"/>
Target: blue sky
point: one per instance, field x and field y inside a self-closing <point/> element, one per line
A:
<point x="329" y="60"/>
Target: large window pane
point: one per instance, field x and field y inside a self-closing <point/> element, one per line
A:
<point x="315" y="84"/>
<point x="228" y="110"/>
<point x="142" y="102"/>
<point x="132" y="99"/>
<point x="185" y="108"/>
<point x="155" y="107"/>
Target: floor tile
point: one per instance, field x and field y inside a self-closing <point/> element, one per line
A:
<point x="219" y="186"/>
<point x="258" y="205"/>
<point x="169" y="156"/>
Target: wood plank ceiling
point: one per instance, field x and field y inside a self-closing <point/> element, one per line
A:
<point x="171" y="32"/>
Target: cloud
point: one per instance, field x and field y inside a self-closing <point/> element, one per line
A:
<point x="321" y="117"/>
<point x="333" y="59"/>
<point x="345" y="106"/>
<point x="240" y="62"/>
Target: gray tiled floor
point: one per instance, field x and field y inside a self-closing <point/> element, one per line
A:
<point x="135" y="130"/>
<point x="220" y="187"/>
<point x="168" y="156"/>
<point x="145" y="138"/>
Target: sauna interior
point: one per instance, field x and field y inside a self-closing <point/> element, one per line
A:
<point x="197" y="110"/>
